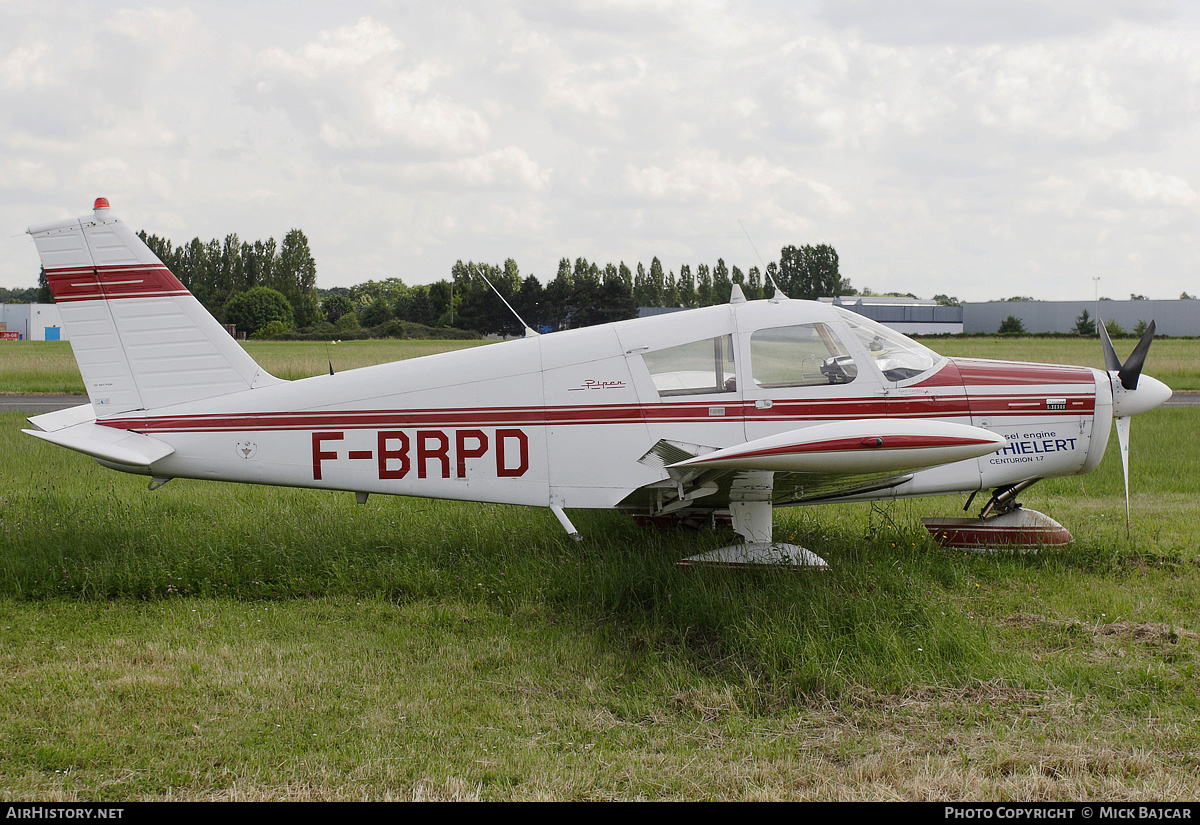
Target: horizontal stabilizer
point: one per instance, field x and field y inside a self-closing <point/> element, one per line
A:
<point x="60" y="419"/>
<point x="866" y="446"/>
<point x="108" y="443"/>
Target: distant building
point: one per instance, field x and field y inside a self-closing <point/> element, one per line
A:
<point x="1177" y="318"/>
<point x="910" y="316"/>
<point x="33" y="322"/>
<point x="915" y="316"/>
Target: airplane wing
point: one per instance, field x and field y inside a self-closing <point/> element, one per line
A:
<point x="818" y="463"/>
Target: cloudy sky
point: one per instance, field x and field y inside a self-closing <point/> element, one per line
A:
<point x="978" y="148"/>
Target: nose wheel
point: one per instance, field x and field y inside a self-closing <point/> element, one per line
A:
<point x="1002" y="525"/>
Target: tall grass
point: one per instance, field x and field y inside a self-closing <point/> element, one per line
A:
<point x="38" y="367"/>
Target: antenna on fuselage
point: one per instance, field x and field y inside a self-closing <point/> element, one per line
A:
<point x="778" y="292"/>
<point x="528" y="329"/>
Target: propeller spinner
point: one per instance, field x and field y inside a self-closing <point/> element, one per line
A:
<point x="1131" y="393"/>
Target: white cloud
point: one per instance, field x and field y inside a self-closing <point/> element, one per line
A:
<point x="704" y="176"/>
<point x="27" y="66"/>
<point x="1145" y="186"/>
<point x="336" y="51"/>
<point x="983" y="143"/>
<point x="354" y="88"/>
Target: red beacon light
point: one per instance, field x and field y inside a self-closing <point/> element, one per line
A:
<point x="100" y="209"/>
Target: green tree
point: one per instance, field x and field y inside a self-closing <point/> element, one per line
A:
<point x="722" y="286"/>
<point x="754" y="285"/>
<point x="253" y="309"/>
<point x="1011" y="325"/>
<point x="258" y="263"/>
<point x="441" y="298"/>
<point x="270" y="330"/>
<point x="296" y="277"/>
<point x="704" y="286"/>
<point x="1084" y="325"/>
<point x="1114" y="329"/>
<point x="686" y="287"/>
<point x="529" y="302"/>
<point x="771" y="284"/>
<point x="557" y="305"/>
<point x="335" y="306"/>
<point x="375" y="313"/>
<point x="28" y="295"/>
<point x="810" y="272"/>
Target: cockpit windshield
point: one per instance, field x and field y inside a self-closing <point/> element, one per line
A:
<point x="899" y="358"/>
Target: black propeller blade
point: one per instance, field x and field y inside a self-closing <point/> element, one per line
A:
<point x="1131" y="370"/>
<point x="1128" y="374"/>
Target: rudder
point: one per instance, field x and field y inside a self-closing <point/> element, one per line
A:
<point x="142" y="341"/>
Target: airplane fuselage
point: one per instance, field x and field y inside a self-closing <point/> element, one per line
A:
<point x="482" y="424"/>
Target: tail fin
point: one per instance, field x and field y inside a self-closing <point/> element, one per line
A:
<point x="141" y="340"/>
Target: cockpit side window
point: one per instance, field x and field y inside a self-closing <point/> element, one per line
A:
<point x="801" y="355"/>
<point x="703" y="366"/>
<point x="898" y="357"/>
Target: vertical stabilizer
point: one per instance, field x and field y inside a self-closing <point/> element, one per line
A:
<point x="141" y="340"/>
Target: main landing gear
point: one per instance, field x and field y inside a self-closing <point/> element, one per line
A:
<point x="750" y="509"/>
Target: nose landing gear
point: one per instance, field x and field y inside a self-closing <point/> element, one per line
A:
<point x="1002" y="524"/>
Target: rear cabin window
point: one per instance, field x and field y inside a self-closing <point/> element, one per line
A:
<point x="802" y="355"/>
<point x="704" y="366"/>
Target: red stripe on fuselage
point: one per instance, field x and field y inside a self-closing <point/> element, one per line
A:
<point x="616" y="414"/>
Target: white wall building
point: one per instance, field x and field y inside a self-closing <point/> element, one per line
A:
<point x="33" y="322"/>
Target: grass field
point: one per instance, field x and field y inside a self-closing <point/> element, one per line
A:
<point x="49" y="366"/>
<point x="208" y="641"/>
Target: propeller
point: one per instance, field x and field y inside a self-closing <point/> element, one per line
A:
<point x="1128" y="399"/>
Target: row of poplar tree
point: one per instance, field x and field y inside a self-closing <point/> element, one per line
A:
<point x="581" y="293"/>
<point x="252" y="284"/>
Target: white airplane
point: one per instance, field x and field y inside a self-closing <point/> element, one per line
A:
<point x="721" y="413"/>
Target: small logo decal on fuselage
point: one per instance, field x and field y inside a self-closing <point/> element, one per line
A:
<point x="592" y="384"/>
